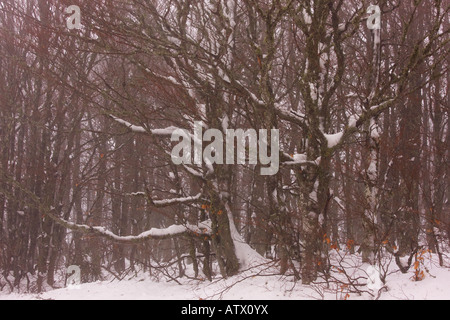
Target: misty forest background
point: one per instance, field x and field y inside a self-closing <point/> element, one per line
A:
<point x="363" y="116"/>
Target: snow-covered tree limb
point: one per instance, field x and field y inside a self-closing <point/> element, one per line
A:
<point x="168" y="202"/>
<point x="356" y="123"/>
<point x="139" y="129"/>
<point x="202" y="230"/>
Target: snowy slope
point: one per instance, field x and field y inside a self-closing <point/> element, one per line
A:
<point x="247" y="286"/>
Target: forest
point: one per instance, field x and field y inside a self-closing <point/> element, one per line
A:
<point x="90" y="99"/>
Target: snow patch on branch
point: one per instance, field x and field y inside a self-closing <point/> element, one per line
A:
<point x="334" y="139"/>
<point x="299" y="160"/>
<point x="139" y="129"/>
<point x="168" y="202"/>
<point x="353" y="121"/>
<point x="137" y="194"/>
<point x="136" y="129"/>
<point x="307" y="17"/>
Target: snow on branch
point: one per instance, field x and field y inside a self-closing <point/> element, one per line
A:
<point x="291" y="116"/>
<point x="297" y="160"/>
<point x="203" y="230"/>
<point x="334" y="139"/>
<point x="193" y="171"/>
<point x="158" y="132"/>
<point x="133" y="128"/>
<point x="337" y="140"/>
<point x="139" y="129"/>
<point x="167" y="202"/>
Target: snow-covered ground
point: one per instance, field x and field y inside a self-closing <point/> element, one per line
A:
<point x="265" y="286"/>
